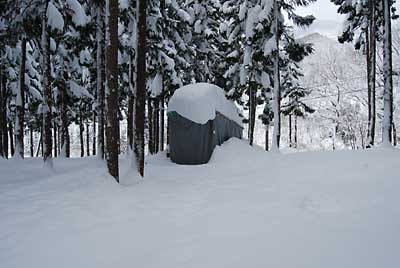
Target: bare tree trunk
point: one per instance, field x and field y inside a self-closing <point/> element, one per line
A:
<point x="11" y="137"/>
<point x="394" y="134"/>
<point x="94" y="133"/>
<point x="277" y="90"/>
<point x="388" y="79"/>
<point x="131" y="103"/>
<point x="47" y="96"/>
<point x="150" y="125"/>
<point x="20" y="105"/>
<point x="100" y="83"/>
<point x="87" y="139"/>
<point x="55" y="139"/>
<point x="141" y="87"/>
<point x="81" y="129"/>
<point x="372" y="75"/>
<point x="2" y="109"/>
<point x="162" y="116"/>
<point x="267" y="138"/>
<point x="65" y="140"/>
<point x="40" y="143"/>
<point x="295" y="132"/>
<point x="252" y="113"/>
<point x="112" y="130"/>
<point x="31" y="141"/>
<point x="290" y="131"/>
<point x="156" y="125"/>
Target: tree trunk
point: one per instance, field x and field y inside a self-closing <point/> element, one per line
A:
<point x="20" y="104"/>
<point x="81" y="129"/>
<point x="39" y="145"/>
<point x="372" y="75"/>
<point x="131" y="103"/>
<point x="252" y="113"/>
<point x="47" y="96"/>
<point x="295" y="132"/>
<point x="277" y="90"/>
<point x="2" y="109"/>
<point x="394" y="134"/>
<point x="11" y="137"/>
<point x="100" y="83"/>
<point x="31" y="141"/>
<point x="290" y="131"/>
<point x="267" y="138"/>
<point x="156" y="125"/>
<point x="140" y="87"/>
<point x="65" y="140"/>
<point x="94" y="133"/>
<point x="87" y="140"/>
<point x="150" y="125"/>
<point x="55" y="139"/>
<point x="112" y="130"/>
<point x="162" y="116"/>
<point x="388" y="80"/>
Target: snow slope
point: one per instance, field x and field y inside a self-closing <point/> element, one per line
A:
<point x="247" y="208"/>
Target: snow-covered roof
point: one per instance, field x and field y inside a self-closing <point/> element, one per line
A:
<point x="200" y="102"/>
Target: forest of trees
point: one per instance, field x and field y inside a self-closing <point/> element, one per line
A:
<point x="99" y="63"/>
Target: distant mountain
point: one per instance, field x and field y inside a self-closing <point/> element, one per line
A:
<point x="331" y="29"/>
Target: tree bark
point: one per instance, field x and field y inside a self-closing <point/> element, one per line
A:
<point x="277" y="90"/>
<point x="290" y="131"/>
<point x="2" y="109"/>
<point x="47" y="96"/>
<point x="81" y="129"/>
<point x="100" y="83"/>
<point x="372" y="75"/>
<point x="295" y="132"/>
<point x="267" y="138"/>
<point x="11" y="137"/>
<point x="65" y="140"/>
<point x="156" y="125"/>
<point x="162" y="116"/>
<point x="140" y="87"/>
<point x="252" y="113"/>
<point x="55" y="139"/>
<point x="87" y="140"/>
<point x="112" y="129"/>
<point x="150" y="125"/>
<point x="20" y="104"/>
<point x="94" y="133"/>
<point x="31" y="141"/>
<point x="131" y="103"/>
<point x="388" y="80"/>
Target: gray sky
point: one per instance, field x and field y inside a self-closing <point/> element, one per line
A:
<point x="322" y="10"/>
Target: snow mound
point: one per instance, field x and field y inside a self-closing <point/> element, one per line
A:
<point x="200" y="102"/>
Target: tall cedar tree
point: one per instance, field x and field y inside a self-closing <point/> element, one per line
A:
<point x="388" y="79"/>
<point x="112" y="129"/>
<point x="140" y="87"/>
<point x="20" y="104"/>
<point x="47" y="96"/>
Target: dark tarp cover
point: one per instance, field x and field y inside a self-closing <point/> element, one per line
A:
<point x="191" y="143"/>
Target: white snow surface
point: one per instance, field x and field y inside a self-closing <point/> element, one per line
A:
<point x="201" y="101"/>
<point x="246" y="208"/>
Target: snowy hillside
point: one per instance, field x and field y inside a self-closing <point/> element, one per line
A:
<point x="331" y="29"/>
<point x="247" y="208"/>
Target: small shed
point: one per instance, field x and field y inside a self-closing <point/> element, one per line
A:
<point x="200" y="117"/>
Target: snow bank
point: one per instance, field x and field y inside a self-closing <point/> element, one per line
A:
<point x="200" y="102"/>
<point x="246" y="208"/>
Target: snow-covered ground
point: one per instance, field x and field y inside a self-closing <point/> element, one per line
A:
<point x="247" y="208"/>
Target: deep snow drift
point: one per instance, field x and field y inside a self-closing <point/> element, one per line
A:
<point x="247" y="208"/>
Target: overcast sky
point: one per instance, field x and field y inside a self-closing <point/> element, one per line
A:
<point x="322" y="10"/>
